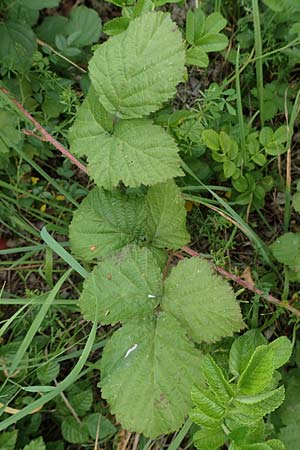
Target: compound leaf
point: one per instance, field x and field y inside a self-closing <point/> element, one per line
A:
<point x="133" y="151"/>
<point x="202" y="302"/>
<point x="124" y="286"/>
<point x="166" y="216"/>
<point x="206" y="402"/>
<point x="135" y="72"/>
<point x="259" y="371"/>
<point x="105" y="222"/>
<point x="148" y="369"/>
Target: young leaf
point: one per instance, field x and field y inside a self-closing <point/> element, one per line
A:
<point x="216" y="380"/>
<point x="105" y="222"/>
<point x="209" y="439"/>
<point x="242" y="349"/>
<point x="202" y="302"/>
<point x="137" y="152"/>
<point x="136" y="72"/>
<point x="116" y="26"/>
<point x="282" y="350"/>
<point x="165" y="216"/>
<point x="87" y="23"/>
<point x="124" y="286"/>
<point x="147" y="371"/>
<point x="214" y="23"/>
<point x="106" y="428"/>
<point x="258" y="373"/>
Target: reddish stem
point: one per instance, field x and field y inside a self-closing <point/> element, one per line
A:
<point x="47" y="137"/>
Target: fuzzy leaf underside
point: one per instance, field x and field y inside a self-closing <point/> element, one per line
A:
<point x="202" y="302"/>
<point x="123" y="287"/>
<point x="105" y="222"/>
<point x="133" y="151"/>
<point x="135" y="72"/>
<point x="166" y="216"/>
<point x="148" y="369"/>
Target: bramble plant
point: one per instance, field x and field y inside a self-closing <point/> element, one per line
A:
<point x="150" y="364"/>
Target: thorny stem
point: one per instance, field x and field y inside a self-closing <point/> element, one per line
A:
<point x="47" y="136"/>
<point x="186" y="249"/>
<point x="248" y="285"/>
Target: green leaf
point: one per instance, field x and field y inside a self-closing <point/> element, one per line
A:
<point x="148" y="368"/>
<point x="275" y="444"/>
<point x="202" y="302"/>
<point x="296" y="202"/>
<point x="74" y="432"/>
<point x="214" y="23"/>
<point x="282" y="350"/>
<point x="196" y="56"/>
<point x="9" y="134"/>
<point x="137" y="152"/>
<point x="166" y="216"/>
<point x="194" y="25"/>
<point x="51" y="27"/>
<point x="213" y="42"/>
<point x="106" y="428"/>
<point x="105" y="222"/>
<point x="286" y="249"/>
<point x="290" y="410"/>
<point x="116" y="26"/>
<point x="207" y="402"/>
<point x="216" y="380"/>
<point x="258" y="372"/>
<point x="136" y="72"/>
<point x="123" y="287"/>
<point x="229" y="168"/>
<point x="47" y="372"/>
<point x="251" y="409"/>
<point x="17" y="46"/>
<point x="86" y="23"/>
<point x="37" y="444"/>
<point x="211" y="139"/>
<point x="266" y="136"/>
<point x="209" y="439"/>
<point x="242" y="349"/>
<point x="8" y="440"/>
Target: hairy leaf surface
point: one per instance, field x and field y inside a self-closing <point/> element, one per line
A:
<point x="136" y="71"/>
<point x="166" y="216"/>
<point x="123" y="287"/>
<point x="105" y="222"/>
<point x="148" y="369"/>
<point x="133" y="151"/>
<point x="203" y="303"/>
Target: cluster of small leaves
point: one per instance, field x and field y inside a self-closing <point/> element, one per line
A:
<point x="232" y="411"/>
<point x="150" y="363"/>
<point x="249" y="182"/>
<point x="203" y="36"/>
